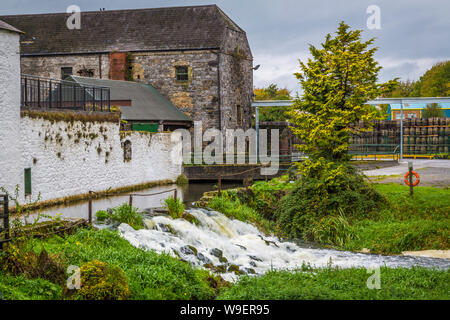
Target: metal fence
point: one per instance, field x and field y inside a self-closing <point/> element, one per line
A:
<point x="38" y="92"/>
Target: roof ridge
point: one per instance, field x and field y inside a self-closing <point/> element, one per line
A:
<point x="115" y="10"/>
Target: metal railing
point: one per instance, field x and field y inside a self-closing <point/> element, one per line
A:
<point x="45" y="93"/>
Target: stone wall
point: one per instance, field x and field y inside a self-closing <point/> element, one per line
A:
<point x="72" y="158"/>
<point x="10" y="154"/>
<point x="236" y="79"/>
<point x="199" y="97"/>
<point x="50" y="66"/>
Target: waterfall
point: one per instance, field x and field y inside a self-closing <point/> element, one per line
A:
<point x="232" y="247"/>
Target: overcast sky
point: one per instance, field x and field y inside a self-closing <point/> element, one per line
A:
<point x="414" y="34"/>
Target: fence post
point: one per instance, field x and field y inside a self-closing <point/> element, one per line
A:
<point x="175" y="194"/>
<point x="130" y="202"/>
<point x="50" y="98"/>
<point x="411" y="187"/>
<point x="90" y="208"/>
<point x="220" y="185"/>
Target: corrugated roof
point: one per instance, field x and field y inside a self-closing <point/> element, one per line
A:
<point x="5" y="26"/>
<point x="147" y="102"/>
<point x="174" y="28"/>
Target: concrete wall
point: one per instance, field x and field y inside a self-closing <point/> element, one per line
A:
<point x="72" y="158"/>
<point x="10" y="149"/>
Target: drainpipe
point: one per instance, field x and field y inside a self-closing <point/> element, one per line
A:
<point x="100" y="65"/>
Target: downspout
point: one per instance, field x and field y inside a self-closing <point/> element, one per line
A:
<point x="100" y="65"/>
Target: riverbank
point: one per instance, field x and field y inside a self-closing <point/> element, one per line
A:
<point x="405" y="223"/>
<point x="149" y="275"/>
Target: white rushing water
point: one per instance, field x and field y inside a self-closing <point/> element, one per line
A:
<point x="243" y="245"/>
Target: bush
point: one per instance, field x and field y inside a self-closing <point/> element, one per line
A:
<point x="101" y="281"/>
<point x="17" y="259"/>
<point x="150" y="276"/>
<point x="175" y="207"/>
<point x="182" y="180"/>
<point x="123" y="214"/>
<point x="318" y="209"/>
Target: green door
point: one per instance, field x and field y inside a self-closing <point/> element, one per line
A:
<point x="148" y="127"/>
<point x="27" y="181"/>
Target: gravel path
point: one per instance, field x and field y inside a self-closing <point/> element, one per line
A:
<point x="434" y="173"/>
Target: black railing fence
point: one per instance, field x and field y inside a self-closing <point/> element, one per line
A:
<point x="38" y="92"/>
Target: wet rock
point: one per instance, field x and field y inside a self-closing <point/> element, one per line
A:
<point x="290" y="249"/>
<point x="166" y="228"/>
<point x="242" y="247"/>
<point x="253" y="264"/>
<point x="235" y="269"/>
<point x="268" y="243"/>
<point x="216" y="252"/>
<point x="223" y="259"/>
<point x="203" y="259"/>
<point x="189" y="250"/>
<point x="221" y="268"/>
<point x="255" y="258"/>
<point x="190" y="218"/>
<point x="250" y="270"/>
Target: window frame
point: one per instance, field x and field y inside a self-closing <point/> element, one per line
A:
<point x="183" y="74"/>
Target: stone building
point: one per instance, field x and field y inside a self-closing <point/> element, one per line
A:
<point x="195" y="56"/>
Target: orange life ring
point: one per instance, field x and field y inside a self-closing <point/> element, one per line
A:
<point x="415" y="184"/>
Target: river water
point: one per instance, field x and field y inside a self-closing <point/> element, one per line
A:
<point x="224" y="244"/>
<point x="244" y="246"/>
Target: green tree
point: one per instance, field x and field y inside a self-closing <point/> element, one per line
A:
<point x="433" y="110"/>
<point x="341" y="76"/>
<point x="272" y="92"/>
<point x="435" y="82"/>
<point x="404" y="89"/>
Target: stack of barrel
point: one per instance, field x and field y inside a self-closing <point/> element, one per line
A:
<point x="426" y="136"/>
<point x="420" y="136"/>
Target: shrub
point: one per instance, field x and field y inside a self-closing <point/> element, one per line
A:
<point x="102" y="215"/>
<point x="101" y="281"/>
<point x="182" y="180"/>
<point x="317" y="208"/>
<point x="18" y="260"/>
<point x="123" y="214"/>
<point x="175" y="207"/>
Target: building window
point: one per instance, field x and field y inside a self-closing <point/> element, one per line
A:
<point x="127" y="151"/>
<point x="27" y="181"/>
<point x="182" y="73"/>
<point x="66" y="72"/>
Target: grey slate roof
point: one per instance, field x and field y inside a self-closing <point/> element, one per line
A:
<point x="174" y="28"/>
<point x="5" y="26"/>
<point x="146" y="102"/>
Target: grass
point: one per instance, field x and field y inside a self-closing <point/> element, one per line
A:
<point x="408" y="223"/>
<point x="342" y="284"/>
<point x="234" y="209"/>
<point x="150" y="276"/>
<point x="405" y="223"/>
<point x="122" y="214"/>
<point x="174" y="206"/>
<point x="21" y="288"/>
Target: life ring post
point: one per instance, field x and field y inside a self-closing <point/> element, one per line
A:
<point x="411" y="187"/>
<point x="409" y="178"/>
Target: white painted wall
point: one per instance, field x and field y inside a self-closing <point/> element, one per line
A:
<point x="62" y="164"/>
<point x="11" y="172"/>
